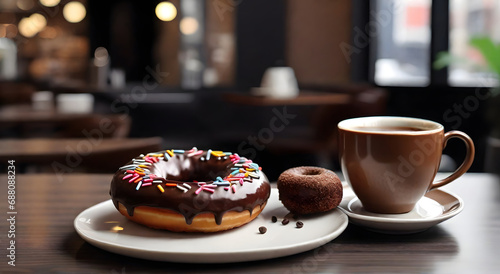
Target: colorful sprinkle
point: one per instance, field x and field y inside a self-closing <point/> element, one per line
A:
<point x="138" y="186"/>
<point x="198" y="190"/>
<point x="235" y="172"/>
<point x="218" y="153"/>
<point x="242" y="170"/>
<point x="127" y="176"/>
<point x="160" y="188"/>
<point x="167" y="156"/>
<point x="254" y="175"/>
<point x="195" y="153"/>
<point x="182" y="188"/>
<point x="208" y="189"/>
<point x="128" y="167"/>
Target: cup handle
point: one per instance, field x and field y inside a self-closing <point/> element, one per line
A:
<point x="469" y="157"/>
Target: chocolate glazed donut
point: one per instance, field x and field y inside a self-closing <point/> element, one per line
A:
<point x="192" y="191"/>
<point x="305" y="190"/>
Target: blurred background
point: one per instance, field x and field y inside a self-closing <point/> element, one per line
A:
<point x="190" y="73"/>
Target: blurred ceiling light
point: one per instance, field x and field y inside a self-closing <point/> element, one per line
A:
<point x="74" y="12"/>
<point x="188" y="25"/>
<point x="50" y="3"/>
<point x="25" y="4"/>
<point x="39" y="22"/>
<point x="166" y="11"/>
<point x="26" y="28"/>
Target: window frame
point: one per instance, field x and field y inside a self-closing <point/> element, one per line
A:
<point x="362" y="62"/>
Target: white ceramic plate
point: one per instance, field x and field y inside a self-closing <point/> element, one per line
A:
<point x="103" y="226"/>
<point x="435" y="207"/>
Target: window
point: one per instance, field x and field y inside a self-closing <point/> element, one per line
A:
<point x="407" y="35"/>
<point x="402" y="42"/>
<point x="470" y="18"/>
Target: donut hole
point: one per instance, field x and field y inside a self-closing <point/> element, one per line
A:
<point x="312" y="172"/>
<point x="199" y="175"/>
<point x="188" y="170"/>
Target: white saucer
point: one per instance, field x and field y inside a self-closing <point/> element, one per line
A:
<point x="436" y="206"/>
<point x="347" y="195"/>
<point x="103" y="226"/>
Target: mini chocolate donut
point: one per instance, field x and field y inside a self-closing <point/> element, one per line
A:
<point x="305" y="190"/>
<point x="190" y="191"/>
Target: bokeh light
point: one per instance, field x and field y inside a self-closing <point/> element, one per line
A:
<point x="27" y="28"/>
<point x="166" y="11"/>
<point x="50" y="3"/>
<point x="38" y="21"/>
<point x="74" y="12"/>
<point x="189" y="25"/>
<point x="25" y="4"/>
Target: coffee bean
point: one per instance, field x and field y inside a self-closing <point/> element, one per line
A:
<point x="285" y="221"/>
<point x="262" y="229"/>
<point x="299" y="224"/>
<point x="274" y="219"/>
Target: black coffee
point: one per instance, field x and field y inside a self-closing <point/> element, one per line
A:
<point x="389" y="128"/>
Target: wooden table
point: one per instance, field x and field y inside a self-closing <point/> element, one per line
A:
<point x="307" y="98"/>
<point x="22" y="121"/>
<point x="46" y="241"/>
<point x="93" y="151"/>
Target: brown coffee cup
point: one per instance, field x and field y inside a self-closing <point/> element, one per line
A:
<point x="391" y="162"/>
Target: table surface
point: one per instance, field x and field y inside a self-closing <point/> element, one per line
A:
<point x="26" y="114"/>
<point x="304" y="98"/>
<point x="92" y="154"/>
<point x="35" y="150"/>
<point x="46" y="241"/>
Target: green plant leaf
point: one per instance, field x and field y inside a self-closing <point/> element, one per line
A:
<point x="443" y="59"/>
<point x="489" y="50"/>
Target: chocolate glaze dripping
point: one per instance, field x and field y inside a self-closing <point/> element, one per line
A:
<point x="183" y="169"/>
